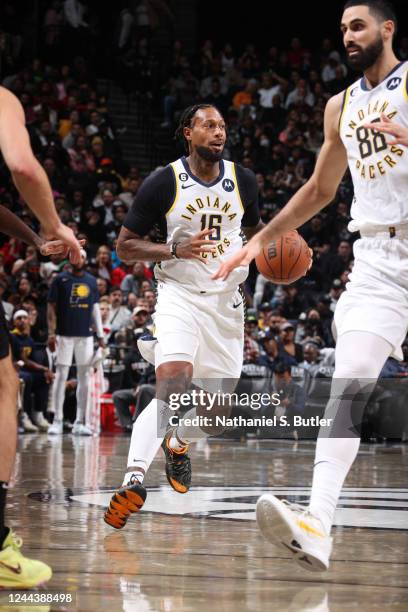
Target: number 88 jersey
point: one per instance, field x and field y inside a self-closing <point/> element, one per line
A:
<point x="379" y="170"/>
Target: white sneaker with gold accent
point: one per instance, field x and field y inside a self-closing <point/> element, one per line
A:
<point x="294" y="528"/>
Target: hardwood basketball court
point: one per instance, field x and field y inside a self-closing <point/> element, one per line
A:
<point x="203" y="550"/>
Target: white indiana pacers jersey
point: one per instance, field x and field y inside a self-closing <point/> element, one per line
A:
<point x="379" y="171"/>
<point x="199" y="206"/>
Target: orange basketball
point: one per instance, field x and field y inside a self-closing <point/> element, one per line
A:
<point x="284" y="260"/>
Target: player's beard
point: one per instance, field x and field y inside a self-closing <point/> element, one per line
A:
<point x="208" y="155"/>
<point x="366" y="57"/>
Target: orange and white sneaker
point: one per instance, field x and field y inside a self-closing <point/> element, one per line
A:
<point x="294" y="528"/>
<point x="178" y="466"/>
<point x="125" y="501"/>
<point x="17" y="571"/>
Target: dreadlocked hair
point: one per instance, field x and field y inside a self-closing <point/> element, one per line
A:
<point x="185" y="121"/>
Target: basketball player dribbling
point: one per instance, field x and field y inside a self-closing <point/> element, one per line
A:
<point x="371" y="317"/>
<point x="17" y="571"/>
<point x="200" y="204"/>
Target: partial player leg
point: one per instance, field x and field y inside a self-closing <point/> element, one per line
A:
<point x="58" y="396"/>
<point x="83" y="376"/>
<point x="147" y="436"/>
<point x="31" y="573"/>
<point x="8" y="431"/>
<point x="83" y="351"/>
<point x="306" y="531"/>
<point x="65" y="352"/>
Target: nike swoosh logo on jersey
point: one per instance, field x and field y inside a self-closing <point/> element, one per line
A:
<point x="236" y="305"/>
<point x="187" y="186"/>
<point x="15" y="570"/>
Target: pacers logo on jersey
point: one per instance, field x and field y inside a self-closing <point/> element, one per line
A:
<point x="79" y="292"/>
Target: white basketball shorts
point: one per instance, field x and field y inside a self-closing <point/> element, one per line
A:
<point x="206" y="330"/>
<point x="80" y="346"/>
<point x="376" y="298"/>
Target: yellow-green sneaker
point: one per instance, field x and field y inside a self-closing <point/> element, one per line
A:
<point x="17" y="571"/>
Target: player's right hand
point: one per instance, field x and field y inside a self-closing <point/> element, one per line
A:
<point x="67" y="236"/>
<point x="193" y="247"/>
<point x="56" y="247"/>
<point x="242" y="258"/>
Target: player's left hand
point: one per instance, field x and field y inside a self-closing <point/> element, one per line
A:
<point x="242" y="258"/>
<point x="393" y="128"/>
<point x="101" y="343"/>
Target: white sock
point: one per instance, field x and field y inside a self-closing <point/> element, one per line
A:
<point x="147" y="435"/>
<point x="129" y="476"/>
<point x="329" y="474"/>
<point x="360" y="357"/>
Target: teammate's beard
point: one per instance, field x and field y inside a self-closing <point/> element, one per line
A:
<point x="366" y="57"/>
<point x="209" y="155"/>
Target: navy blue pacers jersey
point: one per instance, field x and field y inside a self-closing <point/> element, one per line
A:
<point x="74" y="297"/>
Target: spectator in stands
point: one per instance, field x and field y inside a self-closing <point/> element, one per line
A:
<point x="103" y="287"/>
<point x="264" y="310"/>
<point x="131" y="283"/>
<point x="251" y="325"/>
<point x="129" y="193"/>
<point x="216" y="97"/>
<point x="216" y="74"/>
<point x="335" y="292"/>
<point x="311" y="356"/>
<point x="333" y="265"/>
<point x="120" y="314"/>
<point x="104" y="263"/>
<point x="300" y="95"/>
<point x="33" y="372"/>
<point x="29" y="264"/>
<point x="246" y="97"/>
<point x="289" y="352"/>
<point x="268" y="92"/>
<point x="150" y="297"/>
<point x="269" y="355"/>
<point x="105" y="308"/>
<point x="136" y="326"/>
<point x="293" y="303"/>
<point x="8" y="308"/>
<point x="292" y="397"/>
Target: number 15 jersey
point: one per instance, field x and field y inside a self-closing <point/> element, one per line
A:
<point x="181" y="205"/>
<point x="379" y="170"/>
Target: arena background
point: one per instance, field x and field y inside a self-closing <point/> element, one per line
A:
<point x="102" y="100"/>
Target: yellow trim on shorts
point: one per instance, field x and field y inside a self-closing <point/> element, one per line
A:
<point x="177" y="189"/>
<point x="344" y="105"/>
<point x="236" y="182"/>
